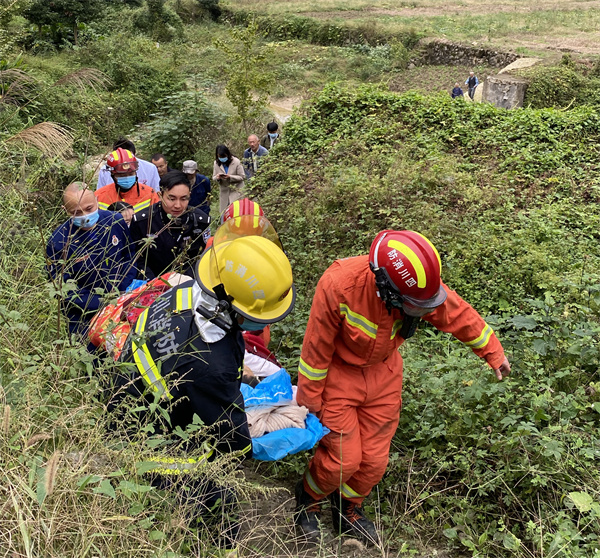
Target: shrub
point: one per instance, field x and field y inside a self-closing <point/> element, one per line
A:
<point x="187" y="127"/>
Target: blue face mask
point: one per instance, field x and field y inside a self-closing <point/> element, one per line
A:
<point x="126" y="182"/>
<point x="249" y="325"/>
<point x="86" y="221"/>
<point x="273" y="136"/>
<point x="223" y="159"/>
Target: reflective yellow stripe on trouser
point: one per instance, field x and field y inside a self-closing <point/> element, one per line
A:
<point x="310" y="372"/>
<point x="348" y="492"/>
<point x="358" y="321"/>
<point x="311" y="482"/>
<point x="482" y="340"/>
<point x="145" y="363"/>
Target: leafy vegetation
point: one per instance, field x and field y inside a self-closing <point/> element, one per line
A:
<point x="509" y="198"/>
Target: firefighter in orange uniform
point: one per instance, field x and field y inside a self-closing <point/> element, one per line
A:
<point x="125" y="187"/>
<point x="350" y="371"/>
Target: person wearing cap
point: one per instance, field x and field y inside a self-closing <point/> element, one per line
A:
<point x="146" y="172"/>
<point x="93" y="248"/>
<point x="252" y="156"/>
<point x="272" y="136"/>
<point x="178" y="232"/>
<point x="350" y="370"/>
<point x="199" y="195"/>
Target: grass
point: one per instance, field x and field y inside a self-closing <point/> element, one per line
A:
<point x="508" y="24"/>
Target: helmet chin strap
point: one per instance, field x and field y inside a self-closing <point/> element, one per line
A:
<point x="224" y="304"/>
<point x="389" y="296"/>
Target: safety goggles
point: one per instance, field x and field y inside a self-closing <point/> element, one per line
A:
<point x="419" y="308"/>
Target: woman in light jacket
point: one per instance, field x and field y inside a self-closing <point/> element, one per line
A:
<point x="229" y="173"/>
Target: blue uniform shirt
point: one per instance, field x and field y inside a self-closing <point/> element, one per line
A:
<point x="99" y="259"/>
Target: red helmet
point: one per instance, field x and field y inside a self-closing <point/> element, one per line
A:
<point x="411" y="266"/>
<point x="241" y="207"/>
<point x="122" y="160"/>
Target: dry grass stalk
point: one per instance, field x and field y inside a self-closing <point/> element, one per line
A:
<point x="14" y="85"/>
<point x="37" y="438"/>
<point x="49" y="138"/>
<point x="6" y="420"/>
<point x="51" y="470"/>
<point x="85" y="77"/>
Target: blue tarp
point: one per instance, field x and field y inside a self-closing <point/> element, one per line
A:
<point x="276" y="445"/>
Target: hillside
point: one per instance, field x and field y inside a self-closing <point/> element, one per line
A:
<point x="510" y="198"/>
<point x="531" y="26"/>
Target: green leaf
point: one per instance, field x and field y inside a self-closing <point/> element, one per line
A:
<point x="144" y="466"/>
<point x="524" y="322"/>
<point x="540" y="346"/>
<point x="129" y="488"/>
<point x="450" y="533"/>
<point x="105" y="488"/>
<point x="582" y="500"/>
<point x="156" y="535"/>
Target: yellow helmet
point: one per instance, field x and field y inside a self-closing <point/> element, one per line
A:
<point x="255" y="272"/>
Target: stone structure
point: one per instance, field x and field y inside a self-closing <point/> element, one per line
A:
<point x="443" y="52"/>
<point x="504" y="91"/>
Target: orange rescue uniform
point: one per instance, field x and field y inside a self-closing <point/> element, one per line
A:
<point x="140" y="196"/>
<point x="350" y="374"/>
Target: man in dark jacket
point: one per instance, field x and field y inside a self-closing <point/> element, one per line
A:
<point x="199" y="195"/>
<point x="94" y="249"/>
<point x="178" y="233"/>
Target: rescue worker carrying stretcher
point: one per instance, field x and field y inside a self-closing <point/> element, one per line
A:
<point x="187" y="349"/>
<point x="350" y="371"/>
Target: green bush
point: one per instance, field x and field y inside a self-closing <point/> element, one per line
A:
<point x="188" y="126"/>
<point x="510" y="200"/>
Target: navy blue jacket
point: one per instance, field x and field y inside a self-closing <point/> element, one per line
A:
<point x="100" y="259"/>
<point x="199" y="193"/>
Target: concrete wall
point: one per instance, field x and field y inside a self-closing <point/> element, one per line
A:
<point x="504" y="91"/>
<point x="442" y="52"/>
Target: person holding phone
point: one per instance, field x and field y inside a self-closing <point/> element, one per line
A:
<point x="228" y="171"/>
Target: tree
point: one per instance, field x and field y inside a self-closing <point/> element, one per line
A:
<point x="248" y="80"/>
<point x="65" y="12"/>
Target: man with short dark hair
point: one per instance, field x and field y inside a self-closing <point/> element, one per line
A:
<point x="272" y="136"/>
<point x="252" y="155"/>
<point x="146" y="173"/>
<point x="201" y="188"/>
<point x="159" y="161"/>
<point x="93" y="248"/>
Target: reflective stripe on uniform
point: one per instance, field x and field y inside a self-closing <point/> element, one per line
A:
<point x="347" y="492"/>
<point x="358" y="321"/>
<point x="311" y="483"/>
<point x="142" y="205"/>
<point x="482" y="340"/>
<point x="178" y="465"/>
<point x="103" y="205"/>
<point x="396" y="328"/>
<point x="183" y="299"/>
<point x="145" y="363"/>
<point x="310" y="372"/>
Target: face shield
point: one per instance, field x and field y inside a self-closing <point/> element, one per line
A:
<point x="419" y="308"/>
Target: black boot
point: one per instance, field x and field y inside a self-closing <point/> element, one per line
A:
<point x="307" y="513"/>
<point x="349" y="519"/>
